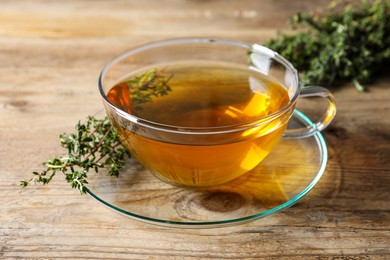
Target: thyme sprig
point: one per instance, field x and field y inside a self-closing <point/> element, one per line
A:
<point x="94" y="144"/>
<point x="150" y="84"/>
<point x="345" y="44"/>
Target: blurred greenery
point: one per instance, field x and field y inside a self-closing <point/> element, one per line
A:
<point x="344" y="44"/>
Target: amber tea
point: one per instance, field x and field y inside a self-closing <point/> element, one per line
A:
<point x="201" y="97"/>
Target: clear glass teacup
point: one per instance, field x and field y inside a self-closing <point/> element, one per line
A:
<point x="202" y="112"/>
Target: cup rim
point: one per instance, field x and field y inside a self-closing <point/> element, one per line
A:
<point x="199" y="130"/>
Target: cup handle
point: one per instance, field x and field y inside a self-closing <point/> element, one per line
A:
<point x="323" y="122"/>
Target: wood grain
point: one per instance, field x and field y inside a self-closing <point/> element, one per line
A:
<point x="51" y="54"/>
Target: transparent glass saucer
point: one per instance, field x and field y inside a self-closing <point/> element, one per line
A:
<point x="290" y="171"/>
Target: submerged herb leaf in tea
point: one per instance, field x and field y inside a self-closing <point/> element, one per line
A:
<point x="351" y="44"/>
<point x="147" y="85"/>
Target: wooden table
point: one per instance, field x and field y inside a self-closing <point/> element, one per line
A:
<point x="51" y="54"/>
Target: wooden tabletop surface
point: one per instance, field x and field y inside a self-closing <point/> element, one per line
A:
<point x="51" y="53"/>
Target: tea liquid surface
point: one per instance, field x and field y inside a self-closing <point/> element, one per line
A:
<point x="203" y="95"/>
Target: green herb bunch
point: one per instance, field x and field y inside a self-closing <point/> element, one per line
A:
<point x="346" y="44"/>
<point x="92" y="146"/>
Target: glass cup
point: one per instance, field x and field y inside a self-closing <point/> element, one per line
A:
<point x="207" y="156"/>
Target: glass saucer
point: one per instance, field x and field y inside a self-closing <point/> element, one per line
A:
<point x="290" y="171"/>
